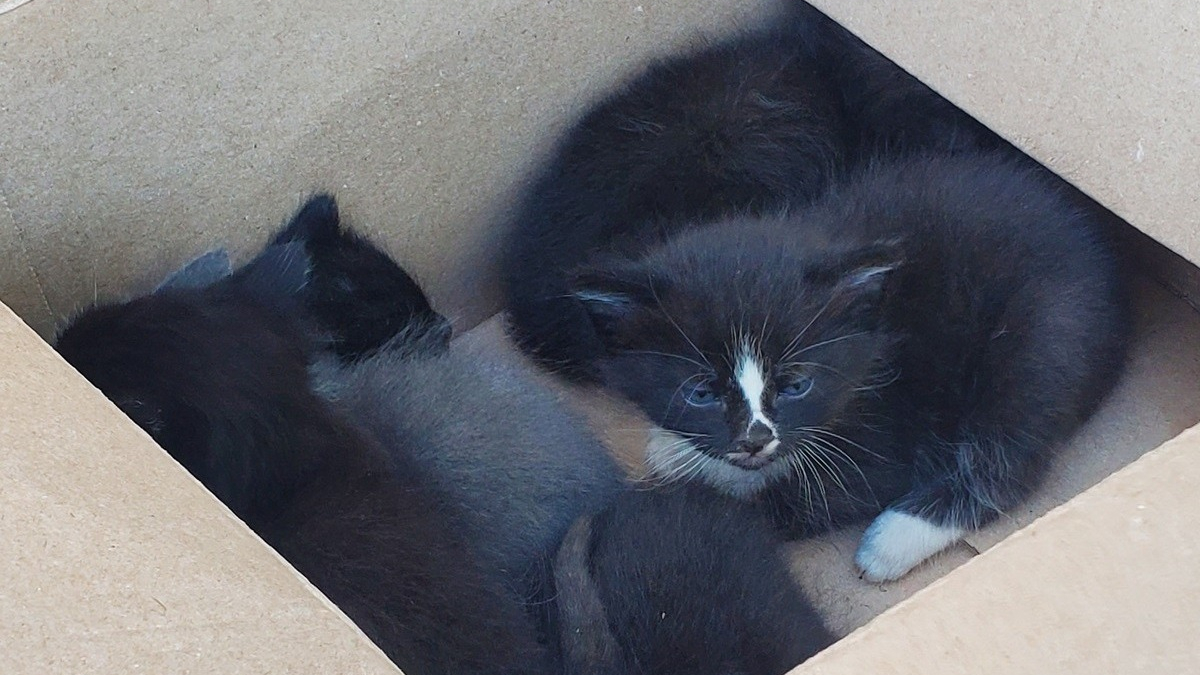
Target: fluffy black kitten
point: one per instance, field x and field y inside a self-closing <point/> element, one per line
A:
<point x="680" y="581"/>
<point x="920" y="339"/>
<point x="356" y="292"/>
<point x="752" y="125"/>
<point x="219" y="377"/>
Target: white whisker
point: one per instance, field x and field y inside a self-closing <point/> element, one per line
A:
<point x="787" y="351"/>
<point x="831" y="341"/>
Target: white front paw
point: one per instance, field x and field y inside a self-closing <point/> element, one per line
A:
<point x="897" y="542"/>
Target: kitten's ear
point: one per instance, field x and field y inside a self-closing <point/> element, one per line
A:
<point x="316" y="222"/>
<point x="202" y="271"/>
<point x="863" y="271"/>
<point x="613" y="292"/>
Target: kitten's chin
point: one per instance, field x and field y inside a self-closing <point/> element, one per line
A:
<point x="672" y="457"/>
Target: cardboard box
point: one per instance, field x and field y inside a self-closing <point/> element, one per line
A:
<point x="137" y="133"/>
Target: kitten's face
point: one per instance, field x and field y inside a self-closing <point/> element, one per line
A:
<point x="746" y="376"/>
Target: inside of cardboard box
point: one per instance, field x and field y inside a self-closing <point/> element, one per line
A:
<point x="1155" y="400"/>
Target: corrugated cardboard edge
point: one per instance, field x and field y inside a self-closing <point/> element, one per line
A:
<point x="10" y="5"/>
<point x="1009" y="615"/>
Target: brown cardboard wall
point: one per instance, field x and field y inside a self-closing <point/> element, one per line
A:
<point x="1104" y="584"/>
<point x="136" y="133"/>
<point x="1105" y="93"/>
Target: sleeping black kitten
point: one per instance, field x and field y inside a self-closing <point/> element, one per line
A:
<point x="482" y="424"/>
<point x="355" y="291"/>
<point x="749" y="126"/>
<point x="920" y="339"/>
<point x="680" y="580"/>
<point x="218" y="375"/>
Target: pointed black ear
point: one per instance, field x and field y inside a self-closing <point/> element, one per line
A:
<point x="316" y="222"/>
<point x="862" y="271"/>
<point x="202" y="271"/>
<point x="612" y="292"/>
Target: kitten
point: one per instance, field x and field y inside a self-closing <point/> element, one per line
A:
<point x="489" y="433"/>
<point x="356" y="292"/>
<point x="483" y="425"/>
<point x="758" y="123"/>
<point x="218" y="376"/>
<point x="680" y="580"/>
<point x="920" y="339"/>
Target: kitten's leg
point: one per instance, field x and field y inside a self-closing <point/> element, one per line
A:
<point x="974" y="482"/>
<point x="897" y="541"/>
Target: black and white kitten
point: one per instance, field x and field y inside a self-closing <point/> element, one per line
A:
<point x="218" y="375"/>
<point x="920" y="339"/>
<point x="680" y="580"/>
<point x="752" y="125"/>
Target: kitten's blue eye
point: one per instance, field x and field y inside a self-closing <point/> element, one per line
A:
<point x="797" y="387"/>
<point x="702" y="394"/>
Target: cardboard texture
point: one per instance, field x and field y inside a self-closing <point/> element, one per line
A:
<point x="137" y="134"/>
<point x="114" y="560"/>
<point x="1104" y="93"/>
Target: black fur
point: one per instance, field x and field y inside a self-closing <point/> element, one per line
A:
<point x="751" y="125"/>
<point x="481" y="423"/>
<point x="928" y="333"/>
<point x="680" y="581"/>
<point x="356" y="292"/>
<point x="218" y="376"/>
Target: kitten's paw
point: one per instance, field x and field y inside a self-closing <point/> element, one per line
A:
<point x="897" y="542"/>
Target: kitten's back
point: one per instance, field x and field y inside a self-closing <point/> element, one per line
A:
<point x="754" y="124"/>
<point x="490" y="431"/>
<point x="684" y="581"/>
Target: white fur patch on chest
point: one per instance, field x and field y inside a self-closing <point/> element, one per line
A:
<point x="752" y="381"/>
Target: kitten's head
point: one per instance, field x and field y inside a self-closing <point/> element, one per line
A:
<point x="744" y="347"/>
<point x="356" y="291"/>
<point x="213" y="374"/>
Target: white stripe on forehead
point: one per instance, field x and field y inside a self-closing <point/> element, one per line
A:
<point x="752" y="381"/>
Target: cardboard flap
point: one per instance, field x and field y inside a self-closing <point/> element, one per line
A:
<point x="1106" y="583"/>
<point x="115" y="560"/>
